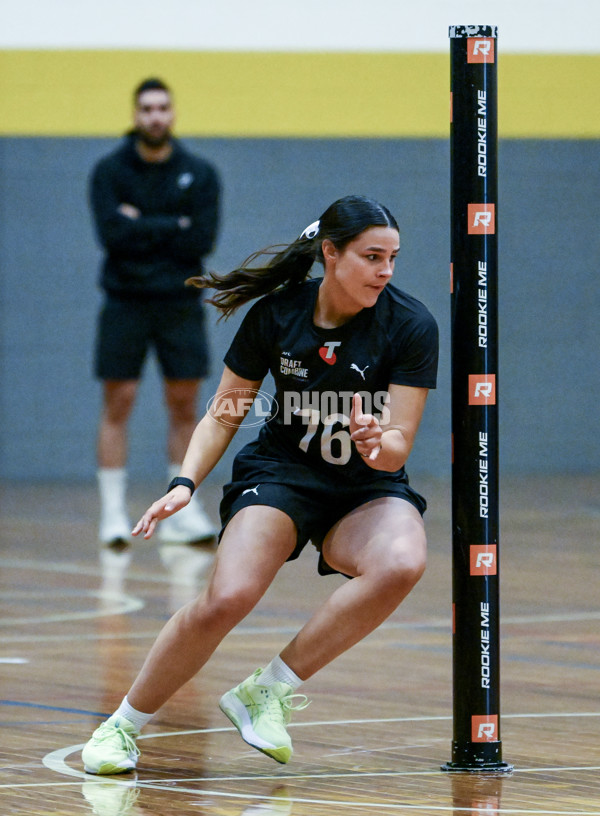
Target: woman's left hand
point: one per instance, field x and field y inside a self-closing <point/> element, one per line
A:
<point x="365" y="430"/>
<point x="173" y="501"/>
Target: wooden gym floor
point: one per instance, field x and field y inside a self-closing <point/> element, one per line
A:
<point x="379" y="725"/>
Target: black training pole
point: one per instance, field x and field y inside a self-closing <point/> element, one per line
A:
<point x="476" y="745"/>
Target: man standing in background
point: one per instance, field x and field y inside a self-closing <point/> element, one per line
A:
<point x="156" y="209"/>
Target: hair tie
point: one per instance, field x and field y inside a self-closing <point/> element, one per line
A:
<point x="311" y="231"/>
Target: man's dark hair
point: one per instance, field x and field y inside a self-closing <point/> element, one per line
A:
<point x="151" y="84"/>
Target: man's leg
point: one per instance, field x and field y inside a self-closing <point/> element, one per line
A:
<point x="190" y="525"/>
<point x="181" y="398"/>
<point x="118" y="400"/>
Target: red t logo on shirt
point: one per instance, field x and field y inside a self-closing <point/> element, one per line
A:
<point x="327" y="351"/>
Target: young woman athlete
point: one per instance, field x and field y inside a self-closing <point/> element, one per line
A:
<point x="352" y="358"/>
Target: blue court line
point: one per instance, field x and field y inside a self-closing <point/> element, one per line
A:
<point x="29" y="723"/>
<point x="53" y="708"/>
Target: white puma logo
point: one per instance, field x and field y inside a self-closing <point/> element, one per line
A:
<point x="251" y="490"/>
<point x="354" y="367"/>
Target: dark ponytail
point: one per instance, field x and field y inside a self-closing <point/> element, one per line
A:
<point x="289" y="265"/>
<point x="341" y="223"/>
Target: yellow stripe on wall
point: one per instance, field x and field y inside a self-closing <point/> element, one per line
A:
<point x="266" y="94"/>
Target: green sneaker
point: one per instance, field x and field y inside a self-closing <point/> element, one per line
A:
<point x="260" y="714"/>
<point x="112" y="748"/>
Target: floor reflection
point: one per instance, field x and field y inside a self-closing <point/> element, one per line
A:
<point x="187" y="565"/>
<point x="476" y="794"/>
<point x="279" y="803"/>
<point x="119" y="797"/>
<point x="111" y="797"/>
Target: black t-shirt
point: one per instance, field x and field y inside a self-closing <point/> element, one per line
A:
<point x="152" y="256"/>
<point x="316" y="371"/>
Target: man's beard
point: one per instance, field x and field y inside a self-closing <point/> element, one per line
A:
<point x="154" y="140"/>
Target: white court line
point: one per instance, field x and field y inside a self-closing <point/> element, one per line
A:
<point x="114" y="603"/>
<point x="244" y="630"/>
<point x="52" y="761"/>
<point x="401" y="807"/>
<point x="344" y="803"/>
<point x="133" y="604"/>
<point x="68" y="567"/>
<point x="55" y="761"/>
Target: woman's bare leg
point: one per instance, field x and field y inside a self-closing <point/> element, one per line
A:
<point x="257" y="541"/>
<point x="383" y="544"/>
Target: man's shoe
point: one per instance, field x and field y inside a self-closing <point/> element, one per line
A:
<point x="112" y="748"/>
<point x="260" y="714"/>
<point x="115" y="529"/>
<point x="187" y="526"/>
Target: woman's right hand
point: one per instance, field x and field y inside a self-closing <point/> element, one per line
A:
<point x="173" y="501"/>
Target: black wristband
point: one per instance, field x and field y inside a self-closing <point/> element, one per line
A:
<point x="181" y="480"/>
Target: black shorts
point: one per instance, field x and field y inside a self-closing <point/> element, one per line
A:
<point x="128" y="329"/>
<point x="310" y="499"/>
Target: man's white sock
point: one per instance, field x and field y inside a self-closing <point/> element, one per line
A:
<point x="278" y="672"/>
<point x="112" y="485"/>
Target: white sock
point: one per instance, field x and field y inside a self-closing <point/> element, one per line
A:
<point x="278" y="672"/>
<point x="112" y="484"/>
<point x="137" y="718"/>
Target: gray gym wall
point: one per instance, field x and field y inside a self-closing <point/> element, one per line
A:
<point x="549" y="294"/>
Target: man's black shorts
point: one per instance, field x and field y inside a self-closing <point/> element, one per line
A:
<point x="128" y="329"/>
<point x="312" y="501"/>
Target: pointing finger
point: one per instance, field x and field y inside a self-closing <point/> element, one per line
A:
<point x="357" y="409"/>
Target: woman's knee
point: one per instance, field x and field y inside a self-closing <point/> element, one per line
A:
<point x="401" y="560"/>
<point x="248" y="558"/>
<point x="232" y="602"/>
